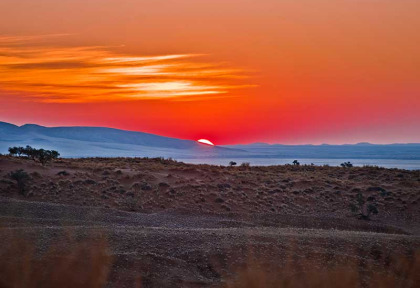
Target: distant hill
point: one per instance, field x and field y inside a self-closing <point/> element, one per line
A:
<point x="101" y="141"/>
<point x="94" y="134"/>
<point x="109" y="142"/>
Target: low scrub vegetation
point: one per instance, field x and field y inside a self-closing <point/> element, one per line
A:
<point x="245" y="165"/>
<point x="364" y="208"/>
<point x="22" y="178"/>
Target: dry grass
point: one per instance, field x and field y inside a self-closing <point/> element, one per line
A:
<point x="88" y="263"/>
<point x="83" y="264"/>
<point x="401" y="271"/>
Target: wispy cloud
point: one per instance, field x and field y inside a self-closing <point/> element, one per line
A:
<point x="49" y="73"/>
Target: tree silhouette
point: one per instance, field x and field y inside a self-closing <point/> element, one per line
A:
<point x="346" y="164"/>
<point x="13" y="151"/>
<point x="41" y="155"/>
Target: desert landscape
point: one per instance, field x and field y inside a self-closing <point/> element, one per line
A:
<point x="154" y="222"/>
<point x="209" y="144"/>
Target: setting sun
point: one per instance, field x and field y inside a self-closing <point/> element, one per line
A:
<point x="312" y="108"/>
<point x="285" y="72"/>
<point x="205" y="141"/>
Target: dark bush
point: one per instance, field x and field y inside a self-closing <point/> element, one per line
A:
<point x="223" y="186"/>
<point x="346" y="164"/>
<point x="376" y="189"/>
<point x="364" y="208"/>
<point x="90" y="181"/>
<point x="219" y="200"/>
<point x="145" y="186"/>
<point x="22" y="178"/>
<point x="63" y="173"/>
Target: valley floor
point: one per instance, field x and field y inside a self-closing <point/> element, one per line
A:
<point x="160" y="223"/>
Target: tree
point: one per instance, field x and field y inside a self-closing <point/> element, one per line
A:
<point x="364" y="208"/>
<point x="22" y="178"/>
<point x="41" y="155"/>
<point x="232" y="163"/>
<point x="296" y="163"/>
<point x="45" y="156"/>
<point x="20" y="151"/>
<point x="346" y="164"/>
<point x="30" y="152"/>
<point x="13" y="151"/>
<point x="54" y="154"/>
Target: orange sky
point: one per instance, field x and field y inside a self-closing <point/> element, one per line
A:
<point x="231" y="71"/>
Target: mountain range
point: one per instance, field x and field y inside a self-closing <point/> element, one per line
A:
<point x="103" y="142"/>
<point x="83" y="141"/>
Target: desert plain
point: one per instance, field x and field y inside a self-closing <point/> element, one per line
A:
<point x="154" y="222"/>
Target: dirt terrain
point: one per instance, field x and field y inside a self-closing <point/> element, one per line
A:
<point x="170" y="224"/>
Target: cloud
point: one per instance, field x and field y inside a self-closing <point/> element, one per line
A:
<point x="48" y="73"/>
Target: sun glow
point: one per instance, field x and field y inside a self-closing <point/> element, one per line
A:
<point x="205" y="141"/>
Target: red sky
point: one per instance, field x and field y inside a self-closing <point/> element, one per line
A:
<point x="231" y="71"/>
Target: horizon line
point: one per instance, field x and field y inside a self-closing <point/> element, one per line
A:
<point x="237" y="144"/>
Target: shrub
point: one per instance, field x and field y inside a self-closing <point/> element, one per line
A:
<point x="63" y="173"/>
<point x="296" y="163"/>
<point x="219" y="200"/>
<point x="90" y="181"/>
<point x="232" y="163"/>
<point x="364" y="208"/>
<point x="22" y="178"/>
<point x="163" y="184"/>
<point x="346" y="164"/>
<point x="145" y="186"/>
<point x="131" y="202"/>
<point x="245" y="165"/>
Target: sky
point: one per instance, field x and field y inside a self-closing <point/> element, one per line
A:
<point x="230" y="71"/>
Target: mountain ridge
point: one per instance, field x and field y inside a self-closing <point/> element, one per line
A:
<point x="85" y="141"/>
<point x="89" y="141"/>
